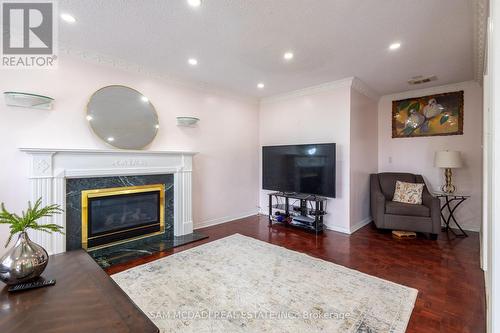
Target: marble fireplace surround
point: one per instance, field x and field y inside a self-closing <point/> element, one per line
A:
<point x="50" y="167"/>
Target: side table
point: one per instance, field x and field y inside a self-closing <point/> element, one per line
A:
<point x="451" y="203"/>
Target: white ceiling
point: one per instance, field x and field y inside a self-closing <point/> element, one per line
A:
<point x="239" y="43"/>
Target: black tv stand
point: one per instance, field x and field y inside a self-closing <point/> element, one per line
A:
<point x="307" y="216"/>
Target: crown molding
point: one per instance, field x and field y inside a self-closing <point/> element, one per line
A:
<point x="352" y="82"/>
<point x="364" y="89"/>
<point x="123" y="65"/>
<point x="480" y="8"/>
<point x="347" y="82"/>
<point x="430" y="90"/>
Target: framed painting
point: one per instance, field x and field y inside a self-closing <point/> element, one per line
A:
<point x="441" y="114"/>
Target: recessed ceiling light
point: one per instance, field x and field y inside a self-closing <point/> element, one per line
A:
<point x="394" y="46"/>
<point x="68" y="18"/>
<point x="288" y="56"/>
<point x="111" y="139"/>
<point x="260" y="85"/>
<point x="89" y="117"/>
<point x="144" y="99"/>
<point x="194" y="3"/>
<point x="192" y="61"/>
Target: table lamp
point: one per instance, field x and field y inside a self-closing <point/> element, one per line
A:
<point x="448" y="160"/>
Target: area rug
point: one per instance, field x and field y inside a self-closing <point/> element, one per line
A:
<point x="240" y="284"/>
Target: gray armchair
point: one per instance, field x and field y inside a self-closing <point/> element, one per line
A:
<point x="388" y="214"/>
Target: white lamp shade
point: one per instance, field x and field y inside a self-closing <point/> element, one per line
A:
<point x="448" y="159"/>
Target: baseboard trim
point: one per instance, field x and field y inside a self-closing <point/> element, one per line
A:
<point x="473" y="228"/>
<point x="225" y="219"/>
<point x="343" y="230"/>
<point x="352" y="229"/>
<point x="337" y="229"/>
<point x="360" y="224"/>
<point x="329" y="227"/>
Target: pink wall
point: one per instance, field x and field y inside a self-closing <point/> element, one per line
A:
<point x="364" y="156"/>
<point x="416" y="155"/>
<point x="225" y="171"/>
<point x="313" y="116"/>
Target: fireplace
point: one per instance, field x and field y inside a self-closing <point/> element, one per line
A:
<point x="121" y="214"/>
<point x="59" y="176"/>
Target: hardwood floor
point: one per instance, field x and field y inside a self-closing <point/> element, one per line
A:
<point x="446" y="272"/>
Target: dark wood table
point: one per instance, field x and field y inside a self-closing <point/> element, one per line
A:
<point x="85" y="299"/>
<point x="451" y="203"/>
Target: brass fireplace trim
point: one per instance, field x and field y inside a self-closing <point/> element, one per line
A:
<point x="104" y="192"/>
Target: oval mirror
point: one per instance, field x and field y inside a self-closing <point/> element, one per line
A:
<point x="122" y="117"/>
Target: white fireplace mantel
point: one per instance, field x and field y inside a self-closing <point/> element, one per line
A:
<point x="49" y="168"/>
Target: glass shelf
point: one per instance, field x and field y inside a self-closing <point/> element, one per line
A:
<point x="454" y="194"/>
<point x="187" y="121"/>
<point x="27" y="100"/>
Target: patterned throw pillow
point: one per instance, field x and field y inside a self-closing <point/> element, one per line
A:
<point x="408" y="193"/>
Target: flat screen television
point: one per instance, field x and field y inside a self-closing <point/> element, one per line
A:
<point x="307" y="169"/>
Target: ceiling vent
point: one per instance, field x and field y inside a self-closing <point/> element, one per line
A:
<point x="422" y="79"/>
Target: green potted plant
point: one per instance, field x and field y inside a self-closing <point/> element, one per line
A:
<point x="26" y="260"/>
